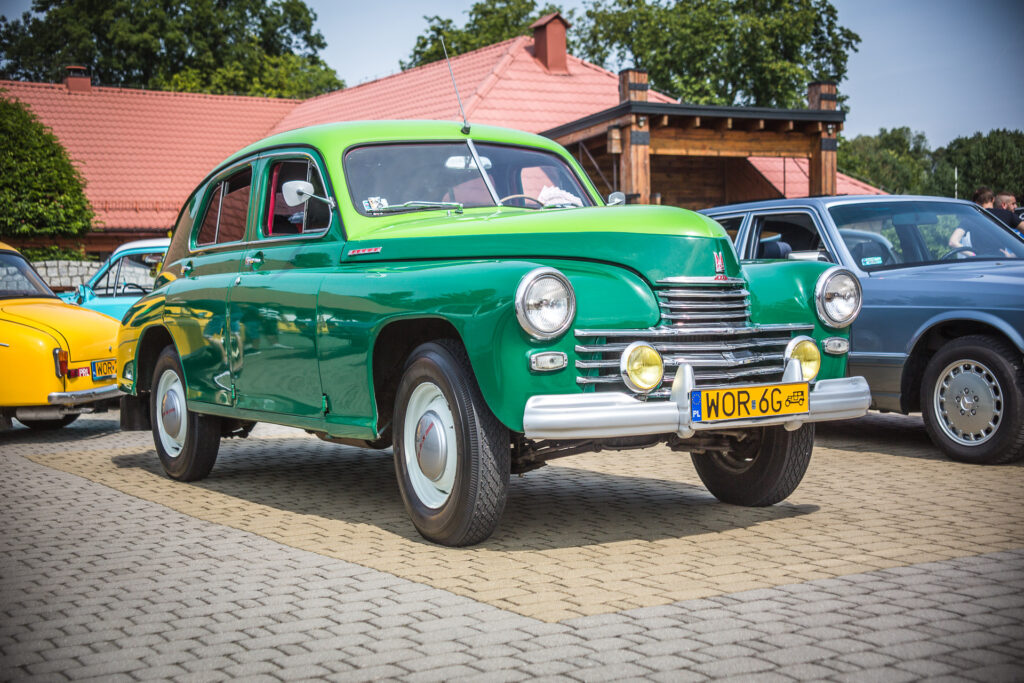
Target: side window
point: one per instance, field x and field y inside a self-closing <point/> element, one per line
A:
<point x="731" y="225"/>
<point x="789" y="235"/>
<point x="314" y="216"/>
<point x="227" y="210"/>
<point x="137" y="272"/>
<point x="107" y="285"/>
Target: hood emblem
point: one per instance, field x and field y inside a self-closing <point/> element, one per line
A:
<point x="720" y="266"/>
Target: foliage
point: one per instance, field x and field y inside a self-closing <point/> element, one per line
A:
<point x="489" y="22"/>
<point x="994" y="160"/>
<point x="247" y="47"/>
<point x="41" y="192"/>
<point x="722" y="52"/>
<point x="897" y="161"/>
<point x="54" y="253"/>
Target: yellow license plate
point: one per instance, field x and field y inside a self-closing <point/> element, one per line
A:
<point x="743" y="403"/>
<point x="104" y="369"/>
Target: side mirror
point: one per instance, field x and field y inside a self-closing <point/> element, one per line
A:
<point x="84" y="294"/>
<point x="297" y="192"/>
<point x="616" y="198"/>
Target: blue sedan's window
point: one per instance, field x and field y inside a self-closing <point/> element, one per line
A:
<point x="892" y="234"/>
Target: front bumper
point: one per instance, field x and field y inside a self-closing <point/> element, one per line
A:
<point x="611" y="415"/>
<point x="73" y="398"/>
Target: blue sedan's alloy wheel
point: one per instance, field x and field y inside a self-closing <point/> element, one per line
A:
<point x="972" y="400"/>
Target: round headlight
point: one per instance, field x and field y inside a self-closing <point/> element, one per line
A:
<point x="837" y="297"/>
<point x="805" y="350"/>
<point x="545" y="303"/>
<point x="641" y="367"/>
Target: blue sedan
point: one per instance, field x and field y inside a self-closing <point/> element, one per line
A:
<point x="942" y="325"/>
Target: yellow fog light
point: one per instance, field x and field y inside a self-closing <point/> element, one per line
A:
<point x="805" y="350"/>
<point x="641" y="367"/>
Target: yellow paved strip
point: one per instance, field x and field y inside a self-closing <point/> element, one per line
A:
<point x="602" y="532"/>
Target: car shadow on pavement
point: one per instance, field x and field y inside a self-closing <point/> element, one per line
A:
<point x="553" y="507"/>
<point x="888" y="433"/>
<point x="77" y="431"/>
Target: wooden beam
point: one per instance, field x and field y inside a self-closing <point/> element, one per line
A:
<point x="822" y="167"/>
<point x="812" y="127"/>
<point x="663" y="121"/>
<point x="753" y="124"/>
<point x="689" y="122"/>
<point x="614" y="143"/>
<point x="593" y="131"/>
<point x="635" y="164"/>
<point x="704" y="142"/>
<point x="782" y="126"/>
<point x="722" y="124"/>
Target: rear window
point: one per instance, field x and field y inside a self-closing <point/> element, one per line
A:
<point x="227" y="210"/>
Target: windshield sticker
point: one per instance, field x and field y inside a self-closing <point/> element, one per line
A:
<point x="871" y="261"/>
<point x="375" y="203"/>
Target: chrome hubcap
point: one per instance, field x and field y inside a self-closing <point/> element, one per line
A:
<point x="429" y="445"/>
<point x="968" y="402"/>
<point x="171" y="424"/>
<point x="431" y="448"/>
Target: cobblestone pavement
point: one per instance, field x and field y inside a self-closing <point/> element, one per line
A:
<point x="294" y="560"/>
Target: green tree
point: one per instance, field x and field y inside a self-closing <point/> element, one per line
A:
<point x="246" y="47"/>
<point x="725" y="52"/>
<point x="897" y="160"/>
<point x="41" y="192"/>
<point x="488" y="23"/>
<point x="994" y="159"/>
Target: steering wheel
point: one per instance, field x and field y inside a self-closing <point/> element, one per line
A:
<point x="521" y="196"/>
<point x="954" y="252"/>
<point x="126" y="285"/>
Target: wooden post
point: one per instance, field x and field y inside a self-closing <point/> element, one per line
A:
<point x="822" y="172"/>
<point x="635" y="159"/>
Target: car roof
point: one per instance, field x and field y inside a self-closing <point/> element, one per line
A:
<point x="156" y="243"/>
<point x="826" y="201"/>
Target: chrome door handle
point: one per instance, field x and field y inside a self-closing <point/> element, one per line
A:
<point x="254" y="260"/>
<point x="187" y="268"/>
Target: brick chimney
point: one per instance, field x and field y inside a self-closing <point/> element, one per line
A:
<point x="549" y="42"/>
<point x="633" y="86"/>
<point x="822" y="95"/>
<point x="76" y="80"/>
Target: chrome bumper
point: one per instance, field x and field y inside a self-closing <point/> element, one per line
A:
<point x="610" y="415"/>
<point x="71" y="398"/>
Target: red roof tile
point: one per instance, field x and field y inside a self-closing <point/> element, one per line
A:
<point x="790" y="177"/>
<point x="501" y="84"/>
<point x="142" y="151"/>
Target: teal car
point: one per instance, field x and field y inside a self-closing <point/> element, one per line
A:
<point x="122" y="279"/>
<point x="466" y="297"/>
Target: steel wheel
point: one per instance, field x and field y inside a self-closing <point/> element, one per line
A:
<point x="171" y="425"/>
<point x="969" y="402"/>
<point x="430" y="445"/>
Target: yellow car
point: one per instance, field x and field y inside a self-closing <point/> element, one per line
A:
<point x="57" y="361"/>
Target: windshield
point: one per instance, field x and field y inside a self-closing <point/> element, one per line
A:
<point x="18" y="279"/>
<point x="418" y="176"/>
<point x="893" y="234"/>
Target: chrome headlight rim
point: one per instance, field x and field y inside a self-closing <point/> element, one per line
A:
<point x="530" y="279"/>
<point x="791" y="346"/>
<point x="819" y="297"/>
<point x="624" y="368"/>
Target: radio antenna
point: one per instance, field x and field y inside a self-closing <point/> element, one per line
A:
<point x="465" y="123"/>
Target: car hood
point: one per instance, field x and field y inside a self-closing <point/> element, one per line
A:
<point x="656" y="241"/>
<point x="1009" y="272"/>
<point x="88" y="335"/>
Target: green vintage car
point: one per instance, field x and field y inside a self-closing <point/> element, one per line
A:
<point x="467" y="298"/>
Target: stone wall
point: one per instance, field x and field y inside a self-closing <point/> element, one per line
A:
<point x="64" y="275"/>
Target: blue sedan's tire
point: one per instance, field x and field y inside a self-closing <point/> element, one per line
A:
<point x="762" y="470"/>
<point x="186" y="442"/>
<point x="972" y="400"/>
<point x="452" y="455"/>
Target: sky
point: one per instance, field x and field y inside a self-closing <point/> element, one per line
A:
<point x="946" y="68"/>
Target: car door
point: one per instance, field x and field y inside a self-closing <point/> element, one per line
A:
<point x="123" y="281"/>
<point x="788" y="233"/>
<point x="196" y="309"/>
<point x="274" y="297"/>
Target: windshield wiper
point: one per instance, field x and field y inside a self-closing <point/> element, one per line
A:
<point x="417" y="204"/>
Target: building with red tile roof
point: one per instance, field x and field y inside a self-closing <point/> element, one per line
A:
<point x="142" y="152"/>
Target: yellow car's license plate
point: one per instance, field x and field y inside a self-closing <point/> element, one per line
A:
<point x="104" y="369"/>
<point x="742" y="403"/>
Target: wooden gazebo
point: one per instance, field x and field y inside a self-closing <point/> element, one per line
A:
<point x="697" y="156"/>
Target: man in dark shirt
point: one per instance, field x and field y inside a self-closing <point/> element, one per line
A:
<point x="1002" y="208"/>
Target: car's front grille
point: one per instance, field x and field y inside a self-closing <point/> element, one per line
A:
<point x="705" y="324"/>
